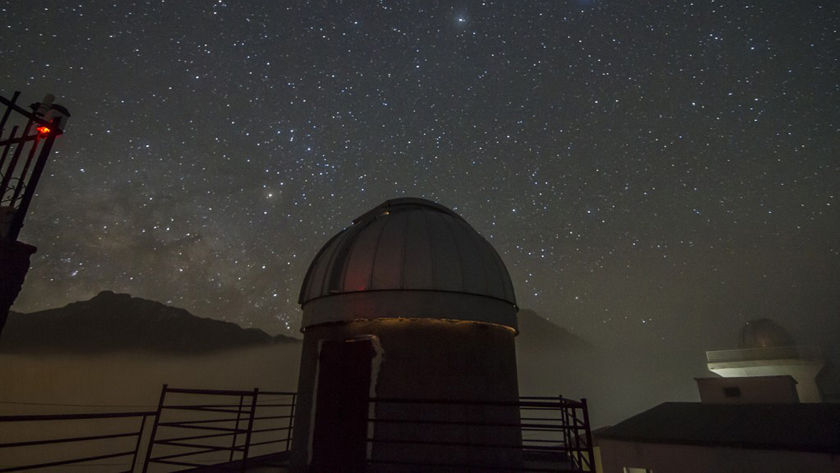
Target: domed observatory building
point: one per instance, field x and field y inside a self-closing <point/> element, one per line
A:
<point x="406" y="313"/>
<point x="767" y="349"/>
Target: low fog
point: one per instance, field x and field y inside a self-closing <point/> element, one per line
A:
<point x="617" y="382"/>
<point x="616" y="385"/>
<point x="86" y="383"/>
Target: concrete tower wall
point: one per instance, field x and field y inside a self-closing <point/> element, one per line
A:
<point x="423" y="359"/>
<point x="803" y="371"/>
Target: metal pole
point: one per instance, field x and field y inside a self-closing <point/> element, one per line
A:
<point x="589" y="447"/>
<point x="139" y="439"/>
<point x="22" y="177"/>
<point x="576" y="459"/>
<point x="291" y="420"/>
<point x="154" y="429"/>
<point x="8" y="111"/>
<point x="13" y="163"/>
<point x="564" y="413"/>
<point x="7" y="146"/>
<point x="250" y="428"/>
<point x="236" y="427"/>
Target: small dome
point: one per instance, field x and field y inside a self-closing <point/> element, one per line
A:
<point x="763" y="333"/>
<point x="409" y="245"/>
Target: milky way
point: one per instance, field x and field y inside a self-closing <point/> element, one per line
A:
<point x="648" y="171"/>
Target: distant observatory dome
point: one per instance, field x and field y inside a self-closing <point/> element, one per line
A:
<point x="764" y="333"/>
<point x="408" y="257"/>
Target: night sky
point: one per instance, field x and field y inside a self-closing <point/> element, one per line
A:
<point x="652" y="173"/>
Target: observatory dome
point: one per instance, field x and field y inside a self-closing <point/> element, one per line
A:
<point x="408" y="257"/>
<point x="764" y="333"/>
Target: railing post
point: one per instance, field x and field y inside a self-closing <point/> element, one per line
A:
<point x="137" y="444"/>
<point x="6" y="147"/>
<point x="589" y="447"/>
<point x="291" y="422"/>
<point x="151" y="443"/>
<point x="236" y="427"/>
<point x="250" y="428"/>
<point x="567" y="430"/>
<point x="4" y="183"/>
<point x="9" y="107"/>
<point x="24" y="171"/>
<point x="576" y="425"/>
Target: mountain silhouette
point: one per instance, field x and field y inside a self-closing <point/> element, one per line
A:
<point x="539" y="334"/>
<point x="111" y="322"/>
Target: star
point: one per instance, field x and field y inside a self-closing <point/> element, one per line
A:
<point x="622" y="160"/>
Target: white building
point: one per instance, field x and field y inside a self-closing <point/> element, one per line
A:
<point x="766" y="349"/>
<point x="750" y="419"/>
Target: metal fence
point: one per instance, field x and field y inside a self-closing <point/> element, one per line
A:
<point x="121" y="444"/>
<point x="200" y="427"/>
<point x="191" y="428"/>
<point x="535" y="434"/>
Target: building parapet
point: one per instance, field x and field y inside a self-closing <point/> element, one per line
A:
<point x="800" y="352"/>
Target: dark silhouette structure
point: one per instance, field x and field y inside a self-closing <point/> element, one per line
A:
<point x="23" y="156"/>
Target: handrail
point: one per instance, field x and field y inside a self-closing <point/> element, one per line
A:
<point x="265" y="419"/>
<point x="124" y="452"/>
<point x="557" y="437"/>
<point x="246" y="422"/>
<point x="556" y="430"/>
<point x="32" y="443"/>
<point x="67" y="462"/>
<point x="96" y="415"/>
<point x="549" y="403"/>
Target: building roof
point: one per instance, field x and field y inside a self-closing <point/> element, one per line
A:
<point x="808" y="427"/>
<point x="409" y="245"/>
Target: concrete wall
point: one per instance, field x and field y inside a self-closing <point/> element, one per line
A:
<point x="803" y="371"/>
<point x="750" y="389"/>
<point x="668" y="458"/>
<point x="423" y="359"/>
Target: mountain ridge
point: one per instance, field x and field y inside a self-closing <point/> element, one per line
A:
<point x="535" y="329"/>
<point x="112" y="322"/>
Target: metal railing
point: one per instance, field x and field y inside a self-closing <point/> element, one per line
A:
<point x="126" y="447"/>
<point x="535" y="434"/>
<point x="199" y="427"/>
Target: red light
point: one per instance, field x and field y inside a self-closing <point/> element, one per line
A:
<point x="43" y="130"/>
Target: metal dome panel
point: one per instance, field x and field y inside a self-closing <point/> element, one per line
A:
<point x="408" y="244"/>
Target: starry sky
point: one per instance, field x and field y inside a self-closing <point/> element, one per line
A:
<point x="650" y="172"/>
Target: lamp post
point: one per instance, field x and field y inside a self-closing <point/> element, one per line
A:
<point x="23" y="156"/>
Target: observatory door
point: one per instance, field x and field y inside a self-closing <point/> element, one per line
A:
<point x="341" y="407"/>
